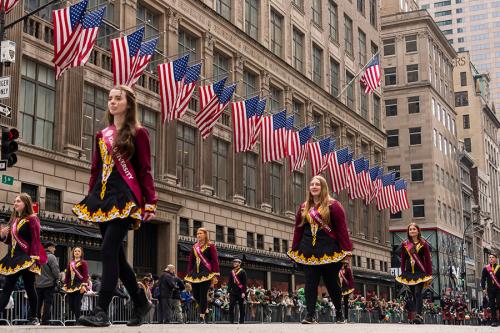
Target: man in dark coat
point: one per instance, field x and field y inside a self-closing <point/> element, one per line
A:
<point x="167" y="286"/>
<point x="46" y="283"/>
<point x="490" y="282"/>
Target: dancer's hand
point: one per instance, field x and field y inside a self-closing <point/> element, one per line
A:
<point x="148" y="216"/>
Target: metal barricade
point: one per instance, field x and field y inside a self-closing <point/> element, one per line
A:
<point x="120" y="310"/>
<point x="57" y="311"/>
<point x="20" y="310"/>
<point x="89" y="302"/>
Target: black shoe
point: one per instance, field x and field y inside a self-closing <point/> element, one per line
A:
<point x="34" y="321"/>
<point x="339" y="319"/>
<point x="141" y="309"/>
<point x="308" y="320"/>
<point x="418" y="320"/>
<point x="98" y="319"/>
<point x="494" y="324"/>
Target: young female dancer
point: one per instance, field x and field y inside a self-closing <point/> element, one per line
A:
<point x="76" y="281"/>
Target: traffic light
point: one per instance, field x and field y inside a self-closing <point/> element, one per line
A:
<point x="9" y="145"/>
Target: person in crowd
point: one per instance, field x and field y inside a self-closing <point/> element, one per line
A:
<point x="237" y="289"/>
<point x="25" y="254"/>
<point x="446" y="305"/>
<point x="202" y="270"/>
<point x="76" y="281"/>
<point x="490" y="282"/>
<point x="416" y="270"/>
<point x="176" y="297"/>
<point x="346" y="280"/>
<point x="96" y="282"/>
<point x="121" y="195"/>
<point x="187" y="300"/>
<point x="46" y="284"/>
<point x="320" y="242"/>
<point x="167" y="285"/>
<point x="145" y="285"/>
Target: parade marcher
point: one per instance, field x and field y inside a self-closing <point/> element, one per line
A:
<point x="237" y="288"/>
<point x="416" y="269"/>
<point x="320" y="242"/>
<point x="76" y="281"/>
<point x="176" y="305"/>
<point x="460" y="309"/>
<point x="446" y="306"/>
<point x="46" y="283"/>
<point x="490" y="282"/>
<point x="121" y="196"/>
<point x="346" y="281"/>
<point x="167" y="285"/>
<point x="202" y="270"/>
<point x="25" y="254"/>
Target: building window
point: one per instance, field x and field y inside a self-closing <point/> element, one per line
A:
<point x="363" y="105"/>
<point x="395" y="216"/>
<point x="362" y="48"/>
<point x="461" y="98"/>
<point x="411" y="43"/>
<point x="418" y="208"/>
<point x="391" y="107"/>
<point x="223" y="8"/>
<point x="276" y="187"/>
<point x="276" y="33"/>
<point x="37" y="104"/>
<point x="376" y="111"/>
<point x="185" y="156"/>
<point x="414" y="104"/>
<point x="299" y="4"/>
<point x="466" y="120"/>
<point x="463" y="79"/>
<point x="187" y="44"/>
<point x="219" y="233"/>
<point x="334" y="77"/>
<point x="249" y="178"/>
<point x="53" y="200"/>
<point x="148" y="119"/>
<point x="317" y="64"/>
<point x="316" y="12"/>
<point x="415" y="135"/>
<point x="252" y="18"/>
<point x="249" y="83"/>
<point x="250" y="240"/>
<point x="276" y="98"/>
<point x="390" y="76"/>
<point x="396" y="169"/>
<point x="412" y="73"/>
<point x="417" y="172"/>
<point x="389" y="46"/>
<point x="350" y="215"/>
<point x="276" y="244"/>
<point x="151" y="22"/>
<point x="231" y="236"/>
<point x="95" y="104"/>
<point x="334" y="21"/>
<point x="298" y="189"/>
<point x="348" y="37"/>
<point x="183" y="226"/>
<point x="220" y="66"/>
<point x="373" y="13"/>
<point x="350" y="91"/>
<point x="361" y="6"/>
<point x="467" y="145"/>
<point x="298" y="50"/>
<point x="392" y="138"/>
<point x="219" y="167"/>
<point x="284" y="245"/>
<point x="196" y="225"/>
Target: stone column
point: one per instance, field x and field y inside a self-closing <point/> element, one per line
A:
<point x="239" y="195"/>
<point x="288" y="179"/>
<point x="265" y="173"/>
<point x="357" y="203"/>
<point x="268" y="282"/>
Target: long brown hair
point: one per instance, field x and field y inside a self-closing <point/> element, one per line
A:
<point x="73" y="252"/>
<point x="419" y="235"/>
<point x="205" y="231"/>
<point x="28" y="207"/>
<point x="124" y="141"/>
<point x="324" y="199"/>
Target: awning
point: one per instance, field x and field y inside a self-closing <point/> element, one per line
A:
<point x="373" y="276"/>
<point x="69" y="229"/>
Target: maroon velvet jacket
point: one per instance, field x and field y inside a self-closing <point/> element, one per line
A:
<point x="35" y="248"/>
<point x="349" y="277"/>
<point x="214" y="259"/>
<point x="83" y="269"/>
<point x="338" y="227"/>
<point x="425" y="256"/>
<point x="141" y="161"/>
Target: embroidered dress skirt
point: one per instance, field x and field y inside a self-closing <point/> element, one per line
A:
<point x="74" y="286"/>
<point x="201" y="275"/>
<point x="410" y="278"/>
<point x="15" y="261"/>
<point x="318" y="250"/>
<point x="346" y="290"/>
<point x="106" y="202"/>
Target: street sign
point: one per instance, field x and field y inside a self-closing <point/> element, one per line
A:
<point x="4" y="87"/>
<point x="3" y="165"/>
<point x="7" y="180"/>
<point x="5" y="111"/>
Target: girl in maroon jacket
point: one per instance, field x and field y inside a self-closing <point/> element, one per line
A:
<point x="202" y="269"/>
<point x="121" y="196"/>
<point x="416" y="269"/>
<point x="25" y="254"/>
<point x="320" y="242"/>
<point x="76" y="281"/>
<point x="346" y="281"/>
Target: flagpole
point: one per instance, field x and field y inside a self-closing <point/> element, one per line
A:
<point x="24" y="17"/>
<point x="354" y="78"/>
<point x="253" y="95"/>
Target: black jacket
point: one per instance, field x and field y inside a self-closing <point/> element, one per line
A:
<point x="486" y="279"/>
<point x="179" y="286"/>
<point x="232" y="287"/>
<point x="167" y="285"/>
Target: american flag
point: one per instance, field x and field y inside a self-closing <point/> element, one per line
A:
<point x="366" y="180"/>
<point x="288" y="135"/>
<point x="386" y="197"/>
<point x="273" y="137"/>
<point x="257" y="121"/>
<point x="354" y="178"/>
<point x="124" y="51"/>
<point x="400" y="187"/>
<point x="141" y="61"/>
<point x="319" y="153"/>
<point x="182" y="103"/>
<point x="91" y="23"/>
<point x="67" y="27"/>
<point x="7" y="5"/>
<point x="375" y="183"/>
<point x="371" y="76"/>
<point x="242" y="113"/>
<point x="171" y="77"/>
<point x="337" y="170"/>
<point x="209" y="101"/>
<point x="299" y="141"/>
<point x="222" y="101"/>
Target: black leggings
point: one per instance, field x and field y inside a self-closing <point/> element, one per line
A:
<point x="75" y="303"/>
<point x="200" y="294"/>
<point x="494" y="302"/>
<point x="330" y="274"/>
<point x="345" y="300"/>
<point x="416" y="292"/>
<point x="29" y="286"/>
<point x="114" y="262"/>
